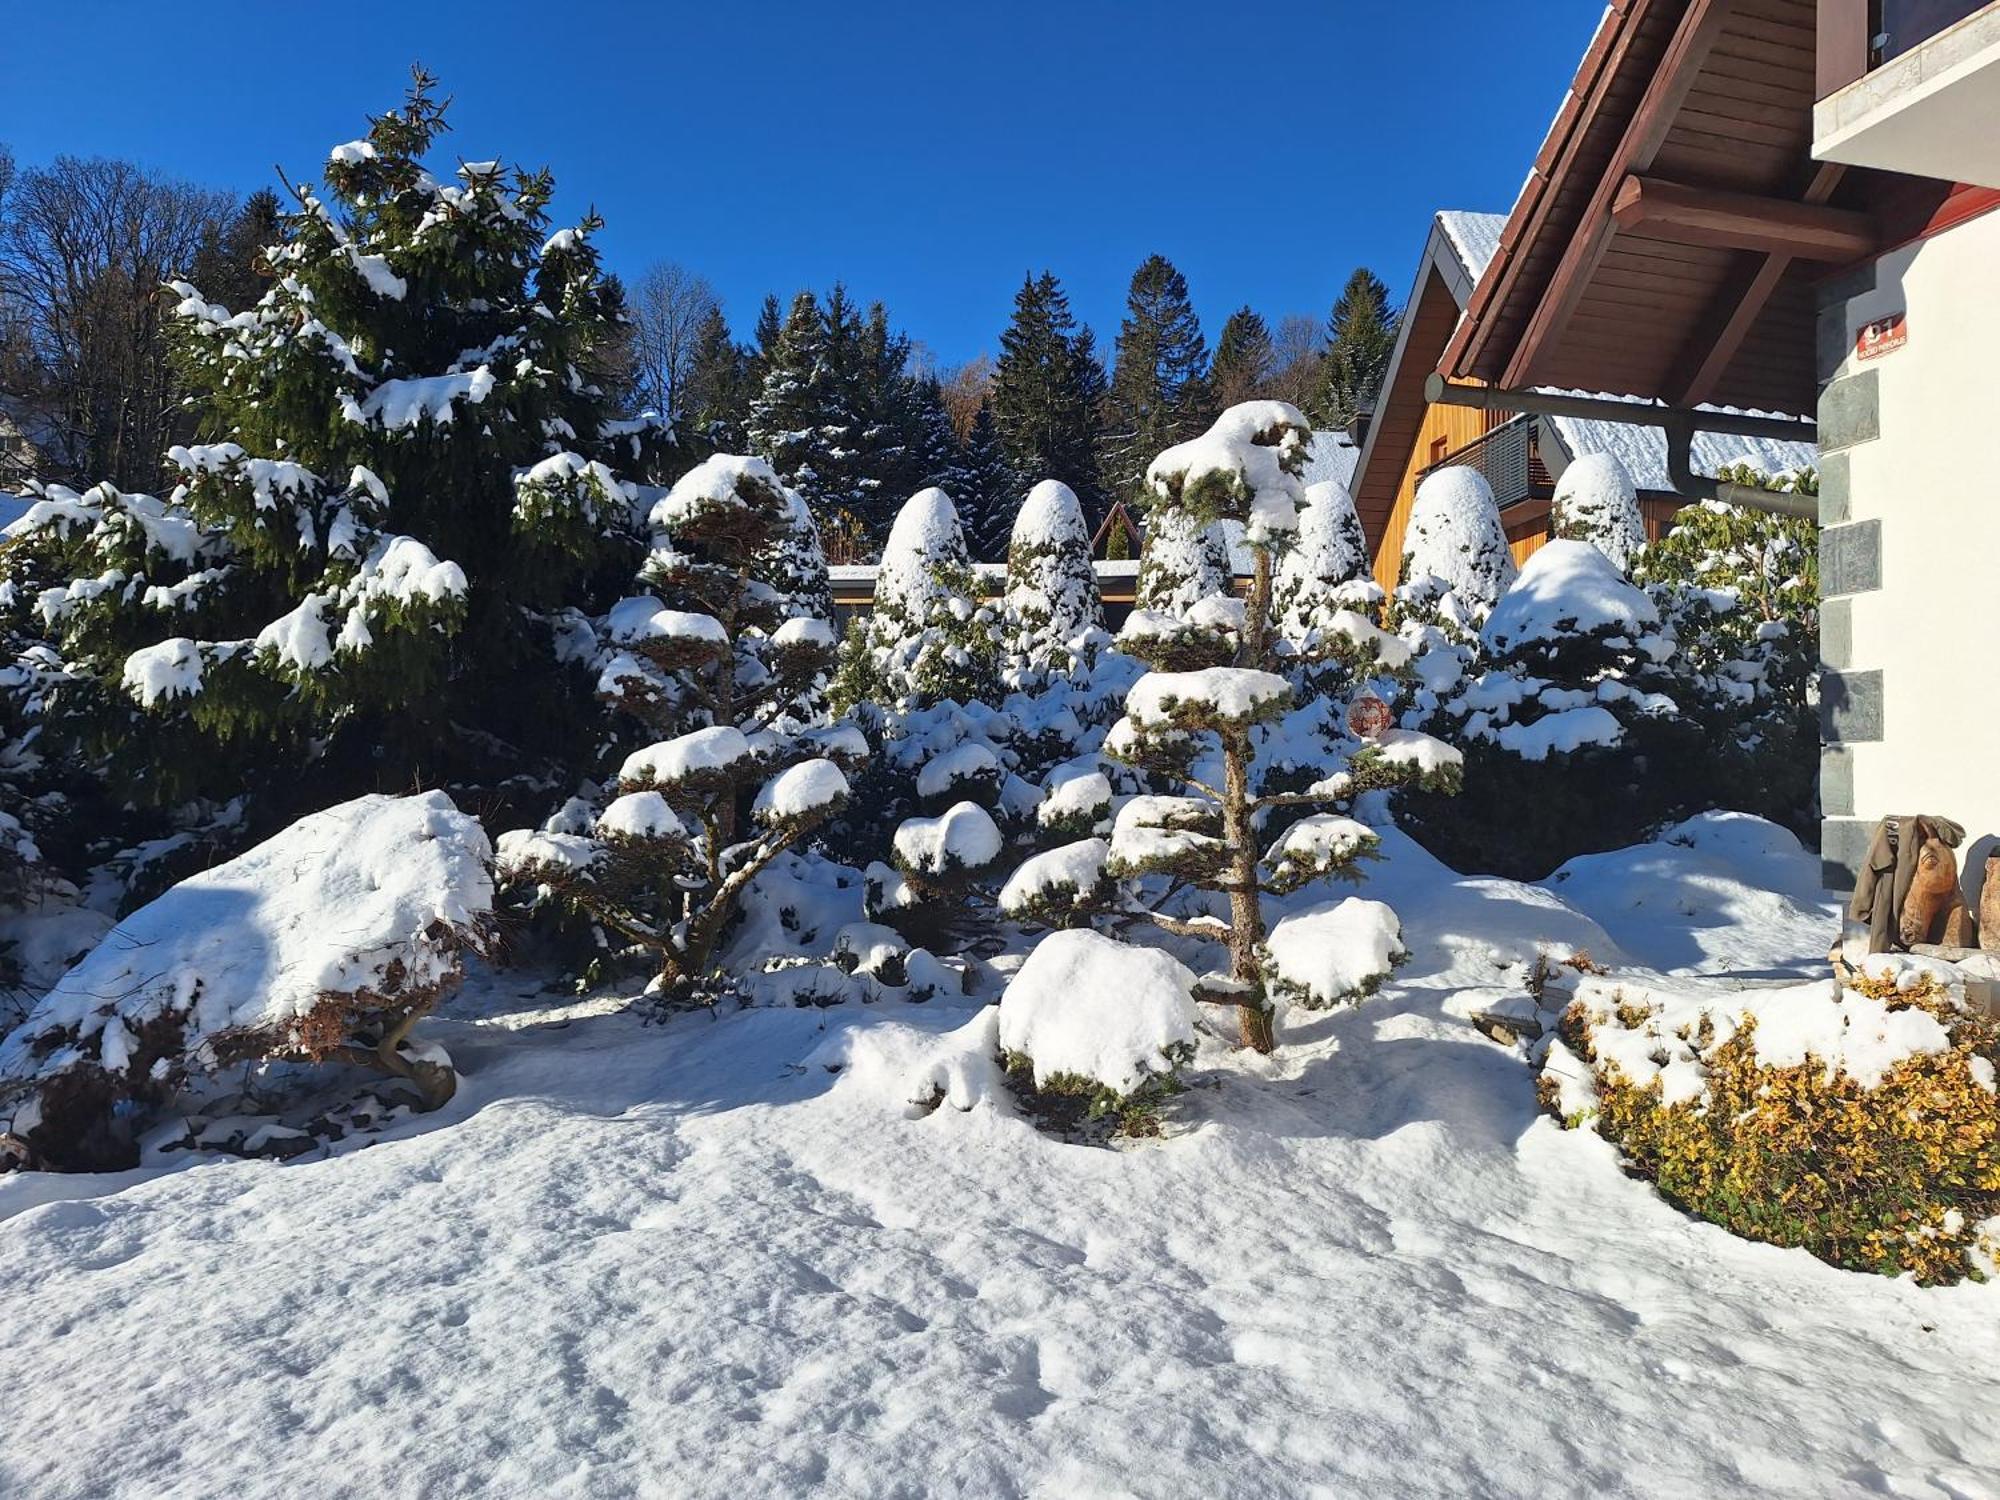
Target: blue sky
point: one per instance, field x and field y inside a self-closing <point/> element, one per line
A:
<point x="928" y="155"/>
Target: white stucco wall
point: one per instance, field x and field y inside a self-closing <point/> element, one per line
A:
<point x="1932" y="478"/>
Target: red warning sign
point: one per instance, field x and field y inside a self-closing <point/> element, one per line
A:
<point x="1883" y="336"/>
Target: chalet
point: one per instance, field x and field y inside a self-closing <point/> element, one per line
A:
<point x="1786" y="206"/>
<point x="1521" y="455"/>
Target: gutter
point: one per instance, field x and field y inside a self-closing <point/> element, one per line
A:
<point x="1680" y="424"/>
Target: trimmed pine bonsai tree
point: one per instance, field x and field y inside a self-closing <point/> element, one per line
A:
<point x="1198" y="724"/>
<point x="722" y="669"/>
<point x="369" y="571"/>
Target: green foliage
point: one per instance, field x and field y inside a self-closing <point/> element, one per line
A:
<point x="1047" y="392"/>
<point x="1065" y="1102"/>
<point x="1159" y="389"/>
<point x="1361" y="337"/>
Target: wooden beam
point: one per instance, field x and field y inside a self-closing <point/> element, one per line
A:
<point x="1741" y="221"/>
<point x="1714" y="343"/>
<point x="1841" y="54"/>
<point x="1644" y="134"/>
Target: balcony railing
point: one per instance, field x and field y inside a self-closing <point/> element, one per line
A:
<point x="1503" y="456"/>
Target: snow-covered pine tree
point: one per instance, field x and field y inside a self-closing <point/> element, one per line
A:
<point x="1597" y="502"/>
<point x="1052" y="595"/>
<point x="1158" y="392"/>
<point x="720" y="390"/>
<point x="1456" y="562"/>
<point x="1325" y="572"/>
<point x="1360" y="338"/>
<point x="721" y="668"/>
<point x="369" y="574"/>
<point x="1047" y="393"/>
<point x="928" y="636"/>
<point x="1198" y="728"/>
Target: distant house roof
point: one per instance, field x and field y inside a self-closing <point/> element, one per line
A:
<point x="1334" y="456"/>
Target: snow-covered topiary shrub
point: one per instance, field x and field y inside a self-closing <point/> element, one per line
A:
<point x="1099" y="1022"/>
<point x="1740" y="590"/>
<point x="724" y="682"/>
<point x="1215" y="733"/>
<point x="1859" y="1122"/>
<point x="1596" y="502"/>
<point x="1182" y="561"/>
<point x="1333" y="952"/>
<point x="1326" y="572"/>
<point x="1572" y="739"/>
<point x="929" y="636"/>
<point x="1456" y="562"/>
<point x="1052" y="596"/>
<point x="327" y="942"/>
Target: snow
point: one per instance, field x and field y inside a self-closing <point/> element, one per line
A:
<point x="329" y="907"/>
<point x="644" y="618"/>
<point x="1072" y="870"/>
<point x="353" y="153"/>
<point x="800" y="791"/>
<point x="1050" y="516"/>
<point x="1334" y="951"/>
<point x="1226" y="695"/>
<point x="1561" y="732"/>
<point x="1568" y="589"/>
<point x="1410" y="747"/>
<point x="720" y="481"/>
<point x="404" y="403"/>
<point x="735" y="1253"/>
<point x="967" y="761"/>
<point x="1088" y="1006"/>
<point x="925" y="532"/>
<point x="963" y="837"/>
<point x="640" y="815"/>
<point x="1259" y="477"/>
<point x="1474" y="237"/>
<point x="1321" y="840"/>
<point x="1642" y="451"/>
<point x="804" y="630"/>
<point x="1074" y="792"/>
<point x="171" y="669"/>
<point x="1154" y="831"/>
<point x="529" y="852"/>
<point x="707" y="751"/>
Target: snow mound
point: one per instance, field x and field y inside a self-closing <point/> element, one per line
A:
<point x="1569" y="589"/>
<point x="366" y="905"/>
<point x="1085" y="1006"/>
<point x="1153" y="833"/>
<point x="1051" y="516"/>
<point x="1064" y="875"/>
<point x="802" y="791"/>
<point x="1333" y="952"/>
<point x="963" y="837"/>
<point x="1245" y="467"/>
<point x="719" y="483"/>
<point x="1225" y="695"/>
<point x="701" y="753"/>
<point x="640" y="815"/>
<point x="1596" y="502"/>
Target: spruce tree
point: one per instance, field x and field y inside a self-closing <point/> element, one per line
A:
<point x="1244" y="360"/>
<point x="720" y="390"/>
<point x="1158" y="387"/>
<point x="803" y="421"/>
<point x="370" y="575"/>
<point x="988" y="484"/>
<point x="1047" y="389"/>
<point x="1361" y="336"/>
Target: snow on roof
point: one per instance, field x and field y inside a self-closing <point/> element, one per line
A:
<point x="1643" y="450"/>
<point x="1333" y="455"/>
<point x="1475" y="238"/>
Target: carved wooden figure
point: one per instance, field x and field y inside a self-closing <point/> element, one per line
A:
<point x="1935" y="909"/>
<point x="1989" y="906"/>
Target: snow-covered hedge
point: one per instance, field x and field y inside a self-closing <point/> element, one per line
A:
<point x="326" y="941"/>
<point x="1858" y="1122"/>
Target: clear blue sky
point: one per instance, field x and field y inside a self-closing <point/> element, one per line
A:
<point x="926" y="154"/>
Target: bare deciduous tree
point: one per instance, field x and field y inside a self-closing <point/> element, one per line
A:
<point x="1296" y="351"/>
<point x="965" y="390"/>
<point x="669" y="304"/>
<point x="84" y="249"/>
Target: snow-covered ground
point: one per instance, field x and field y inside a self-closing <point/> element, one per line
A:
<point x="692" y="1259"/>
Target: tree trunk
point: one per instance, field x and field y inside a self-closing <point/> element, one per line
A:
<point x="1246" y="907"/>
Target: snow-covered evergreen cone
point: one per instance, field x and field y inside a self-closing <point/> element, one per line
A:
<point x="1199" y="729"/>
<point x="1182" y="561"/>
<point x="1456" y="563"/>
<point x="1740" y="590"/>
<point x="1325" y="572"/>
<point x="1596" y="502"/>
<point x="929" y="635"/>
<point x="372" y="563"/>
<point x="1052" y="596"/>
<point x="721" y="667"/>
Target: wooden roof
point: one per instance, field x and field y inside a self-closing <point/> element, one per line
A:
<point x="1426" y="324"/>
<point x="1666" y="243"/>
